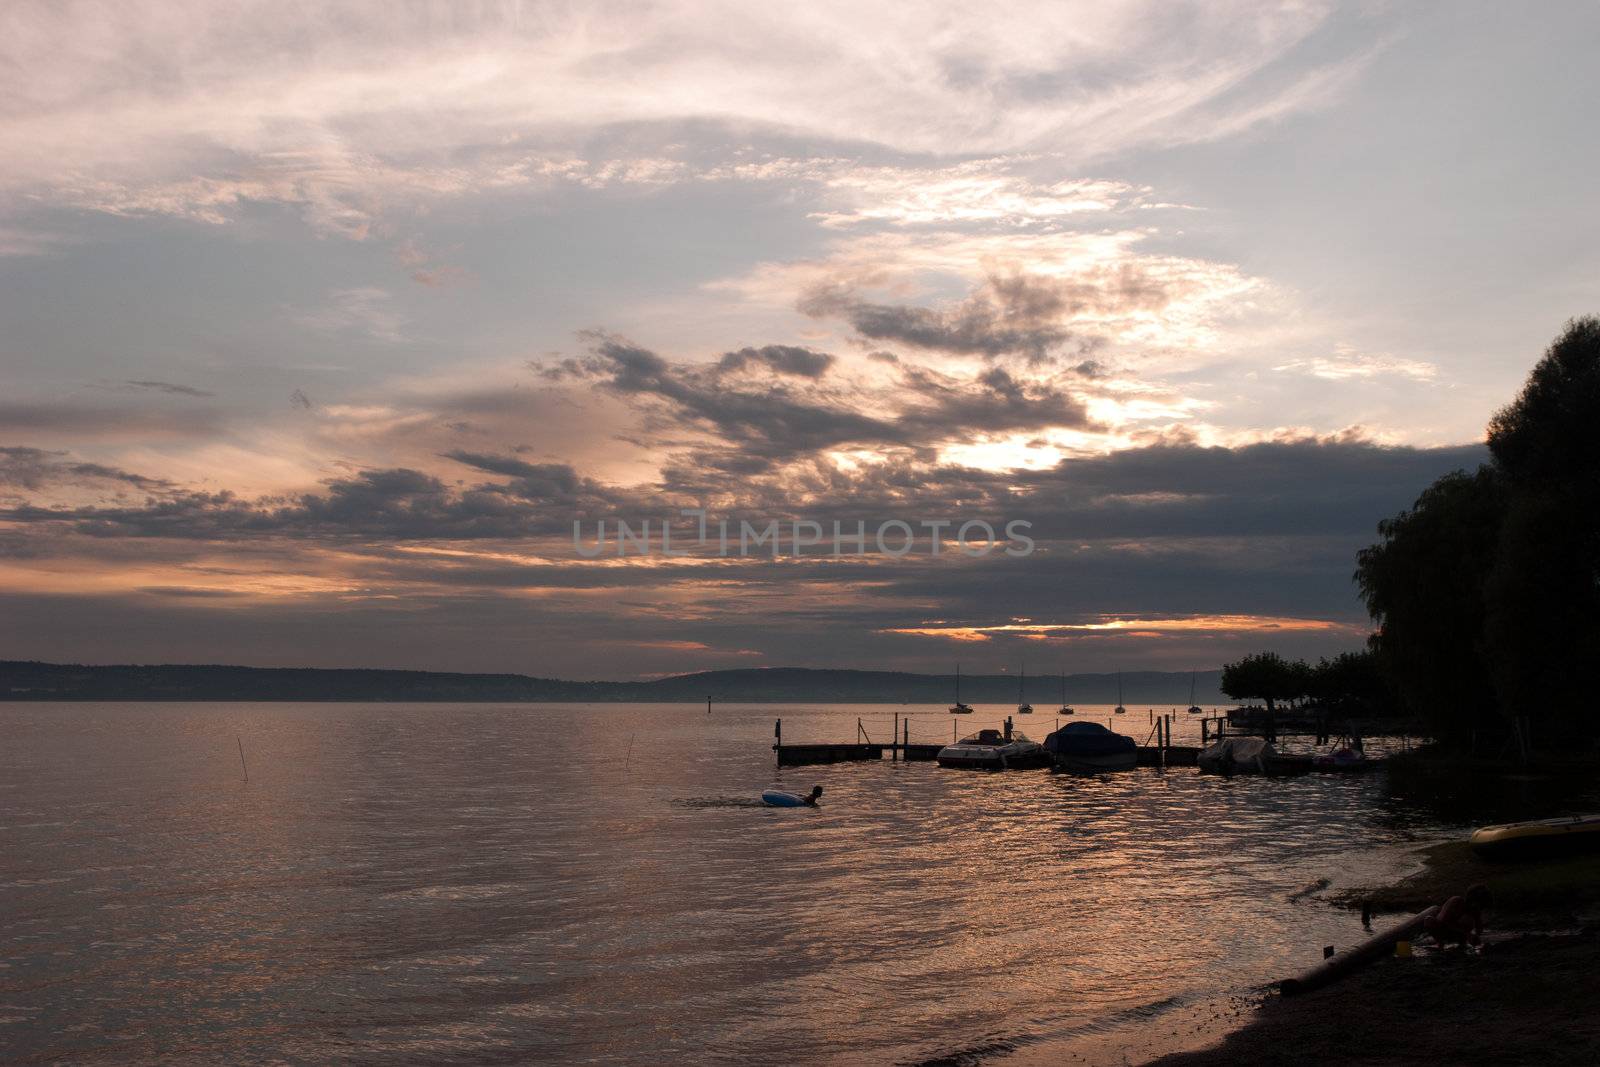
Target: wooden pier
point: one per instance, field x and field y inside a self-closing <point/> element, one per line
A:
<point x="1161" y="754"/>
<point x="795" y="755"/>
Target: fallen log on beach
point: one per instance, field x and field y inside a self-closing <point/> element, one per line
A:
<point x="1351" y="959"/>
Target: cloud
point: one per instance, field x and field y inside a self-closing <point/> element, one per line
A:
<point x="1347" y="364"/>
<point x="88" y="422"/>
<point x="785" y="359"/>
<point x="185" y="110"/>
<point x="754" y="425"/>
<point x="37" y="468"/>
<point x="170" y="389"/>
<point x="1011" y="317"/>
<point x="367" y="311"/>
<point x="30" y="242"/>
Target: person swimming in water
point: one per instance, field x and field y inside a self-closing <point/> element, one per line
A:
<point x="816" y="791"/>
<point x="1460" y="919"/>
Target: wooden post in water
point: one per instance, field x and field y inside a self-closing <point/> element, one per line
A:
<point x="894" y="749"/>
<point x="777" y="731"/>
<point x="242" y="765"/>
<point x="908" y="736"/>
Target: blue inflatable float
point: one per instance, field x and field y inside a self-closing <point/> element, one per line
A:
<point x="777" y="798"/>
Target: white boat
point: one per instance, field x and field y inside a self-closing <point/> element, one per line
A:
<point x="994" y="750"/>
<point x="1237" y="755"/>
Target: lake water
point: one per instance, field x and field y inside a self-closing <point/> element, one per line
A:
<point x="598" y="884"/>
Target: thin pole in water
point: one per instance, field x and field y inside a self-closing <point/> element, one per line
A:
<point x="629" y="756"/>
<point x="242" y="764"/>
<point x="708" y="705"/>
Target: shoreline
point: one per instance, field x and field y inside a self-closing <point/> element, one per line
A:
<point x="1527" y="996"/>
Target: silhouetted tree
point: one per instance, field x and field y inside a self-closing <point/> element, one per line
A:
<point x="1265" y="676"/>
<point x="1542" y="597"/>
<point x="1351" y="683"/>
<point x="1424" y="587"/>
<point x="1486" y="593"/>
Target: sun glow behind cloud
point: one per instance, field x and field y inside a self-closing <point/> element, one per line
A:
<point x="1134" y="628"/>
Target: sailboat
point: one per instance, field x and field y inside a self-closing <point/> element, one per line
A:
<point x="959" y="708"/>
<point x="1194" y="709"/>
<point x="1065" y="709"/>
<point x="1120" y="710"/>
<point x="1023" y="707"/>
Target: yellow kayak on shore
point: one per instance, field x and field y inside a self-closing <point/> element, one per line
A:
<point x="1541" y="837"/>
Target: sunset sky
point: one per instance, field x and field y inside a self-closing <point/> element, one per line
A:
<point x="320" y="328"/>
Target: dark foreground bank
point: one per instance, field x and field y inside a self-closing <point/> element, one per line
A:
<point x="1528" y="997"/>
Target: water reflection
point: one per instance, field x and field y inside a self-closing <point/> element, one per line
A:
<point x="487" y="883"/>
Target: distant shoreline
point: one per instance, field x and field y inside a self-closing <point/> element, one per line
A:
<point x="36" y="682"/>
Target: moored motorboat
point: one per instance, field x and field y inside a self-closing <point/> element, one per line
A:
<point x="1088" y="747"/>
<point x="994" y="750"/>
<point x="1237" y="755"/>
<point x="1565" y="836"/>
<point x="1250" y="755"/>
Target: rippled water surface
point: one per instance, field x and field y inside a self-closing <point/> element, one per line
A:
<point x="504" y="884"/>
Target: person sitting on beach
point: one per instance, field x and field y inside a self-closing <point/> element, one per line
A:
<point x="1460" y="919"/>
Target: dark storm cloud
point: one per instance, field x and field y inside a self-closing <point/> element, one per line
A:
<point x="785" y="359"/>
<point x="1163" y="493"/>
<point x="1172" y="530"/>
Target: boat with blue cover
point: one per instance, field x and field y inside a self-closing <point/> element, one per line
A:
<point x="1088" y="747"/>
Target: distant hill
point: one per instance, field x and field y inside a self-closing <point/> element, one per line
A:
<point x="22" y="680"/>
